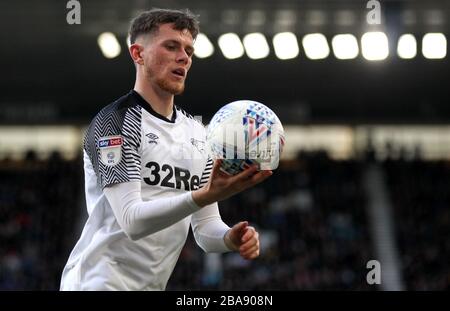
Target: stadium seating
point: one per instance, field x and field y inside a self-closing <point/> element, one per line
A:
<point x="311" y="215"/>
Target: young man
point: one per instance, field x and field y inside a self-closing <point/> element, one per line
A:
<point x="147" y="176"/>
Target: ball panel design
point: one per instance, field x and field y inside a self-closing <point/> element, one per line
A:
<point x="243" y="133"/>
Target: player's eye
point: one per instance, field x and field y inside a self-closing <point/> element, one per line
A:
<point x="189" y="52"/>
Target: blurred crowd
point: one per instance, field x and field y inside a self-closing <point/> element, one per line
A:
<point x="311" y="215"/>
<point x="39" y="213"/>
<point x="420" y="194"/>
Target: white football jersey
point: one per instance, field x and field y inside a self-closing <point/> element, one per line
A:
<point x="128" y="141"/>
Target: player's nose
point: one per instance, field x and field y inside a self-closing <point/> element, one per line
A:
<point x="182" y="57"/>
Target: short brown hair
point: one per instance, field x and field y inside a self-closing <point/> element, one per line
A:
<point x="149" y="21"/>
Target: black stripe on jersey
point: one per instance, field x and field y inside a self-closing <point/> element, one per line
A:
<point x="123" y="117"/>
<point x="206" y="172"/>
<point x="189" y="116"/>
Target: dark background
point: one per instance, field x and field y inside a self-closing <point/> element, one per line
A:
<point x="53" y="72"/>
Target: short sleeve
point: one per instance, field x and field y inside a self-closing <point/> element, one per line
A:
<point x="112" y="143"/>
<point x="206" y="172"/>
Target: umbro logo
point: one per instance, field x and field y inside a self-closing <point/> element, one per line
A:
<point x="152" y="138"/>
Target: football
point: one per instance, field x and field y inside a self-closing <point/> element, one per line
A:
<point x="243" y="133"/>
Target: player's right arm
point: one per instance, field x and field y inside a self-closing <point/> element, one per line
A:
<point x="139" y="218"/>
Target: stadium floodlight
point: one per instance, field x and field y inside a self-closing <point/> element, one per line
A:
<point x="203" y="48"/>
<point x="407" y="46"/>
<point x="375" y="46"/>
<point x="285" y="45"/>
<point x="434" y="45"/>
<point x="345" y="46"/>
<point x="109" y="45"/>
<point x="316" y="46"/>
<point x="256" y="45"/>
<point x="231" y="46"/>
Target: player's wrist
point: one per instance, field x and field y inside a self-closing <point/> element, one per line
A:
<point x="228" y="242"/>
<point x="200" y="197"/>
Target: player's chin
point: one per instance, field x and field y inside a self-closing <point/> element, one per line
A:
<point x="177" y="88"/>
<point x="172" y="87"/>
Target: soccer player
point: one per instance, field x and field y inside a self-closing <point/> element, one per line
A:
<point x="148" y="175"/>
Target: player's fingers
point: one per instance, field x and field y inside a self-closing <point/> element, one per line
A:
<point x="255" y="179"/>
<point x="248" y="234"/>
<point x="240" y="227"/>
<point x="216" y="167"/>
<point x="235" y="233"/>
<point x="252" y="178"/>
<point x="260" y="177"/>
<point x="250" y="251"/>
<point x="254" y="240"/>
<point x="245" y="174"/>
<point x="249" y="245"/>
<point x="252" y="255"/>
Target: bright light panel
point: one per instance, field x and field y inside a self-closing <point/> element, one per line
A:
<point x="434" y="45"/>
<point x="203" y="48"/>
<point x="316" y="46"/>
<point x="285" y="45"/>
<point x="375" y="46"/>
<point x="345" y="46"/>
<point x="256" y="45"/>
<point x="231" y="46"/>
<point x="109" y="45"/>
<point x="407" y="46"/>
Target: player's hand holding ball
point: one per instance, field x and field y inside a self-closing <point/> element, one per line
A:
<point x="245" y="139"/>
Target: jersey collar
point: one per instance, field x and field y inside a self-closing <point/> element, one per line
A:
<point x="142" y="102"/>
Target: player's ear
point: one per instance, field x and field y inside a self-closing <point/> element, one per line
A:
<point x="136" y="53"/>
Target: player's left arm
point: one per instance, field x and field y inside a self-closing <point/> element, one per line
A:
<point x="209" y="229"/>
<point x="207" y="225"/>
<point x="213" y="235"/>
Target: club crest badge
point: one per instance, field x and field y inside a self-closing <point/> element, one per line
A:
<point x="199" y="144"/>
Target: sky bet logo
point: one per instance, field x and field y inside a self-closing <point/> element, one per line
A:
<point x="110" y="142"/>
